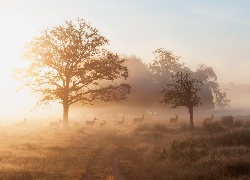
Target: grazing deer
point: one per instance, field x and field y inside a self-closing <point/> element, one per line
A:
<point x="21" y="124"/>
<point x="173" y="120"/>
<point x="139" y="120"/>
<point x="208" y="120"/>
<point x="55" y="124"/>
<point x="103" y="123"/>
<point x="121" y="122"/>
<point x="91" y="123"/>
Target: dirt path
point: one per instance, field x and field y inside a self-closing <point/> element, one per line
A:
<point x="115" y="168"/>
<point x="105" y="163"/>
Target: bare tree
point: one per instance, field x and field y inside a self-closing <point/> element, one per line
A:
<point x="69" y="64"/>
<point x="183" y="91"/>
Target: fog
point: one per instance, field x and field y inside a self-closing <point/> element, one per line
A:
<point x="143" y="99"/>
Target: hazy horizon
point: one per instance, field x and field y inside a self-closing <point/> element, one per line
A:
<point x="209" y="32"/>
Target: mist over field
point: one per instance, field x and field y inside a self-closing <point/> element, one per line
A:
<point x="124" y="90"/>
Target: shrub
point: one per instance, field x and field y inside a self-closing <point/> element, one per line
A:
<point x="213" y="127"/>
<point x="232" y="138"/>
<point x="247" y="125"/>
<point x="238" y="123"/>
<point x="227" y="121"/>
<point x="187" y="128"/>
<point x="190" y="150"/>
<point x="143" y="127"/>
<point x="161" y="128"/>
<point x="237" y="168"/>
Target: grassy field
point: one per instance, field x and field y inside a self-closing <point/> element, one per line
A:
<point x="218" y="150"/>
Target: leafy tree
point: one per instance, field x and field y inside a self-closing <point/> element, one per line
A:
<point x="164" y="65"/>
<point x="142" y="87"/>
<point x="183" y="91"/>
<point x="221" y="100"/>
<point x="141" y="82"/>
<point x="69" y="64"/>
<point x="212" y="94"/>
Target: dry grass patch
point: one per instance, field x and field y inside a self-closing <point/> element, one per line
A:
<point x="146" y="151"/>
<point x="184" y="154"/>
<point x="45" y="154"/>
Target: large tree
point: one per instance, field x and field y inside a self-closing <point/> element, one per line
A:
<point x="166" y="69"/>
<point x="183" y="91"/>
<point x="69" y="64"/>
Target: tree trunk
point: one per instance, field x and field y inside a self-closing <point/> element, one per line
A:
<point x="191" y="113"/>
<point x="65" y="115"/>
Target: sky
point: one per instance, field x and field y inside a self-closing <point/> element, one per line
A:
<point x="211" y="32"/>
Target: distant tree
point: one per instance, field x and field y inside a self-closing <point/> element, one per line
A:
<point x="69" y="64"/>
<point x="141" y="82"/>
<point x="183" y="91"/>
<point x="164" y="65"/>
<point x="221" y="100"/>
<point x="142" y="87"/>
<point x="211" y="92"/>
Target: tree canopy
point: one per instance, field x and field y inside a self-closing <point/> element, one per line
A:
<point x="69" y="64"/>
<point x="166" y="64"/>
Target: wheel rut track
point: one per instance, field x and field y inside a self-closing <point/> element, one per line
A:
<point x="104" y="165"/>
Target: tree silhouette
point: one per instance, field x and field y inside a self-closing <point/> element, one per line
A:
<point x="141" y="82"/>
<point x="212" y="94"/>
<point x="69" y="64"/>
<point x="221" y="100"/>
<point x="183" y="91"/>
<point x="164" y="65"/>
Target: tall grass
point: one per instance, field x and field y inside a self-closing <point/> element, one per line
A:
<point x="187" y="154"/>
<point x="146" y="151"/>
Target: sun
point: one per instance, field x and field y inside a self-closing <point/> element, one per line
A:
<point x="11" y="49"/>
<point x="14" y="33"/>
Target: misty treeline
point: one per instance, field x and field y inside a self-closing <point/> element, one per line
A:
<point x="148" y="81"/>
<point x="70" y="64"/>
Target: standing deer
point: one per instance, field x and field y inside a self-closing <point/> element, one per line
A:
<point x="103" y="123"/>
<point x="55" y="124"/>
<point x="173" y="120"/>
<point x="21" y="124"/>
<point x="90" y="123"/>
<point x="208" y="120"/>
<point x="121" y="122"/>
<point x="139" y="120"/>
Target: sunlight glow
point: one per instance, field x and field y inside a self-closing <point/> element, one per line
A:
<point x="13" y="36"/>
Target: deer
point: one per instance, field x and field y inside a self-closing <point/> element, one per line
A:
<point x="173" y="120"/>
<point x="103" y="123"/>
<point x="21" y="124"/>
<point x="139" y="120"/>
<point x="90" y="123"/>
<point x="55" y="124"/>
<point x="208" y="120"/>
<point x="121" y="122"/>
